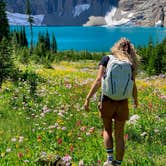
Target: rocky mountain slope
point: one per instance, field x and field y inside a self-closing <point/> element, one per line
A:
<point x="95" y="12"/>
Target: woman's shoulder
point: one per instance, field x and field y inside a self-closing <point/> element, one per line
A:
<point x="104" y="60"/>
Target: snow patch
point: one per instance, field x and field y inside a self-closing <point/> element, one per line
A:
<point x="111" y="21"/>
<point x="158" y="23"/>
<point x="123" y="12"/>
<point x="130" y="15"/>
<point x="78" y="9"/>
<point x="22" y="19"/>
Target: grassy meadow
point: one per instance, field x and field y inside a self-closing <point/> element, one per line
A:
<point x="51" y="120"/>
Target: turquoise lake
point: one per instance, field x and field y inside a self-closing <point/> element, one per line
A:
<point x="97" y="39"/>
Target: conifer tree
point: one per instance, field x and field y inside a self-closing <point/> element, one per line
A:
<point x="164" y="56"/>
<point x="40" y="38"/>
<point x="47" y="41"/>
<point x="25" y="42"/>
<point x="4" y="26"/>
<point x="30" y="20"/>
<point x="149" y="58"/>
<point x="53" y="43"/>
<point x="21" y="40"/>
<point x="158" y="59"/>
<point x="6" y="61"/>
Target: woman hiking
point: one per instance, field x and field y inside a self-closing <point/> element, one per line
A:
<point x="116" y="77"/>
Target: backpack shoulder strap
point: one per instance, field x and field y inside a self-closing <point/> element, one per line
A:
<point x="111" y="59"/>
<point x="111" y="56"/>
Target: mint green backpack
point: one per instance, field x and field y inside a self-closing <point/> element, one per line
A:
<point x="117" y="83"/>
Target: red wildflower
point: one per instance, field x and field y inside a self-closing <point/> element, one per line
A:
<point x="126" y="137"/>
<point x="99" y="162"/>
<point x="71" y="148"/>
<point x="78" y="123"/>
<point x="59" y="140"/>
<point x="39" y="138"/>
<point x="150" y="105"/>
<point x="20" y="154"/>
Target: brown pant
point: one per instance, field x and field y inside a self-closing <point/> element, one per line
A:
<point x="119" y="111"/>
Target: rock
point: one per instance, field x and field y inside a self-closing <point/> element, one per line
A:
<point x="95" y="21"/>
<point x="72" y="12"/>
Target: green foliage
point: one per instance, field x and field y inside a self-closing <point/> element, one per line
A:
<point x="6" y="61"/>
<point x="44" y="40"/>
<point x="31" y="77"/>
<point x="19" y="37"/>
<point x="153" y="57"/>
<point x="47" y="41"/>
<point x="71" y="55"/>
<point x="53" y="44"/>
<point x="4" y="26"/>
<point x="23" y="55"/>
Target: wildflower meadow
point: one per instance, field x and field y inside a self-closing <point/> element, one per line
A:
<point x="45" y="116"/>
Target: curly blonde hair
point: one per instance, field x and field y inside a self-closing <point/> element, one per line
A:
<point x="130" y="54"/>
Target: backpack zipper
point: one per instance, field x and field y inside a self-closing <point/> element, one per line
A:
<point x="126" y="85"/>
<point x="112" y="84"/>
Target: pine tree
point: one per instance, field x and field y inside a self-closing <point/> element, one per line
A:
<point x="30" y="20"/>
<point x="4" y="26"/>
<point x="164" y="56"/>
<point x="40" y="38"/>
<point x="53" y="44"/>
<point x="25" y="42"/>
<point x="158" y="59"/>
<point x="149" y="59"/>
<point x="6" y="61"/>
<point x="21" y="38"/>
<point x="47" y="41"/>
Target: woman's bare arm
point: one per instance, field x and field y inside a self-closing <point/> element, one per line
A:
<point x="95" y="86"/>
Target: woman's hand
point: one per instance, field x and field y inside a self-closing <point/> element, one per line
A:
<point x="95" y="86"/>
<point x="86" y="105"/>
<point x="99" y="105"/>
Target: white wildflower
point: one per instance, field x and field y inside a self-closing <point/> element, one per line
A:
<point x="8" y="150"/>
<point x="156" y="130"/>
<point x="26" y="161"/>
<point x="88" y="133"/>
<point x="55" y="111"/>
<point x="14" y="139"/>
<point x="56" y="124"/>
<point x="144" y="134"/>
<point x="133" y="119"/>
<point x="60" y="114"/>
<point x="43" y="153"/>
<point x="42" y="114"/>
<point x="21" y="138"/>
<point x="81" y="163"/>
<point x="52" y="127"/>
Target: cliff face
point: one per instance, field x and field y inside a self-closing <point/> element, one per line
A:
<point x="78" y="12"/>
<point x="145" y="12"/>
